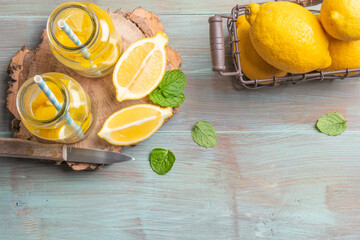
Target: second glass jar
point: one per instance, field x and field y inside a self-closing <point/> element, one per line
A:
<point x="41" y="118"/>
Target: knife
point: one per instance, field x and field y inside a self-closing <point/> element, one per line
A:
<point x="11" y="147"/>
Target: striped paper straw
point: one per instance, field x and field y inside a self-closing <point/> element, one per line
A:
<point x="67" y="30"/>
<point x="50" y="95"/>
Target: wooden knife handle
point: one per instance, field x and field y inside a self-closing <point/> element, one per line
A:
<point x="11" y="147"/>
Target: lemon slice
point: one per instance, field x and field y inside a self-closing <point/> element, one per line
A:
<point x="52" y="134"/>
<point x="133" y="124"/>
<point x="141" y="68"/>
<point x="80" y="23"/>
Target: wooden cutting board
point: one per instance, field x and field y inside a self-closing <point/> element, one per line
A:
<point x="131" y="26"/>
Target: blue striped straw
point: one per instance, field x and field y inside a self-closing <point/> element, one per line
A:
<point x="50" y="95"/>
<point x="67" y="30"/>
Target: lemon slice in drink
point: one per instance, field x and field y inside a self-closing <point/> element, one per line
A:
<point x="133" y="124"/>
<point x="141" y="68"/>
<point x="80" y="23"/>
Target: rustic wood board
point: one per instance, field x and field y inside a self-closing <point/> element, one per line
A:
<point x="130" y="26"/>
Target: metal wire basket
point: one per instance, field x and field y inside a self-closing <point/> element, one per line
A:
<point x="217" y="47"/>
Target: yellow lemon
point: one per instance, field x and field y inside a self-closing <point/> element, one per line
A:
<point x="344" y="54"/>
<point x="341" y="18"/>
<point x="133" y="124"/>
<point x="252" y="65"/>
<point x="288" y="36"/>
<point x="141" y="68"/>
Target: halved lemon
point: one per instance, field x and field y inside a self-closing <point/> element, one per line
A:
<point x="133" y="124"/>
<point x="141" y="68"/>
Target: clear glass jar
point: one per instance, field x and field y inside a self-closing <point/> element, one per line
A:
<point x="41" y="118"/>
<point x="94" y="28"/>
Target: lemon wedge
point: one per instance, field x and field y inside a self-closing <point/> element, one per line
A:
<point x="133" y="124"/>
<point x="141" y="68"/>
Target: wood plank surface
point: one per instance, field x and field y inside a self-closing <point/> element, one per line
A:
<point x="170" y="7"/>
<point x="160" y="7"/>
<point x="237" y="190"/>
<point x="271" y="175"/>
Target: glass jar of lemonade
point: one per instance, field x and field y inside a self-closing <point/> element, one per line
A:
<point x="42" y="119"/>
<point x="98" y="48"/>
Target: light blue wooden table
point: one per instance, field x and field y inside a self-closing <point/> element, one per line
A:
<point x="271" y="175"/>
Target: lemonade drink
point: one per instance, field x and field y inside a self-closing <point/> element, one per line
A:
<point x="94" y="28"/>
<point x="41" y="118"/>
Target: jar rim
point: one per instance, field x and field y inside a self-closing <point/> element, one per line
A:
<point x="59" y="115"/>
<point x="50" y="26"/>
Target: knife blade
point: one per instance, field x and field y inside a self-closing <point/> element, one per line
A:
<point x="95" y="156"/>
<point x="10" y="147"/>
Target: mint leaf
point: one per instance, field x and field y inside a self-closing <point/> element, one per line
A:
<point x="157" y="97"/>
<point x="204" y="134"/>
<point x="331" y="124"/>
<point x="161" y="160"/>
<point x="173" y="83"/>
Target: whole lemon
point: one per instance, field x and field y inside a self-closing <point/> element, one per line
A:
<point x="252" y="65"/>
<point x="288" y="36"/>
<point x="341" y="18"/>
<point x="344" y="54"/>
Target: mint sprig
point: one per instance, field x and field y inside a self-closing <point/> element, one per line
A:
<point x="332" y="124"/>
<point x="169" y="93"/>
<point x="161" y="160"/>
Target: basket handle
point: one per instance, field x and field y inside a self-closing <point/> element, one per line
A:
<point x="217" y="46"/>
